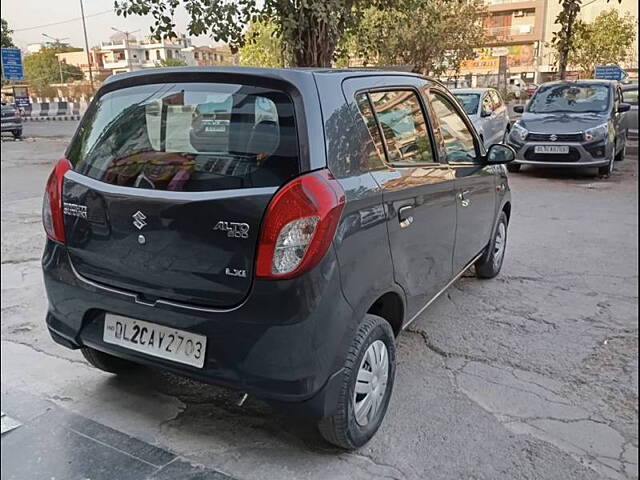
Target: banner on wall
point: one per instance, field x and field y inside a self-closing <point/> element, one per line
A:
<point x="488" y="59"/>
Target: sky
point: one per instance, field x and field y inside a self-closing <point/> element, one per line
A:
<point x="23" y="15"/>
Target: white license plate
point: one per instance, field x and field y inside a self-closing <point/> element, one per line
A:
<point x="551" y="149"/>
<point x="156" y="340"/>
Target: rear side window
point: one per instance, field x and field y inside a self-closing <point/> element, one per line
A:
<point x="189" y="137"/>
<point x="374" y="149"/>
<point x="457" y="139"/>
<point x="403" y="126"/>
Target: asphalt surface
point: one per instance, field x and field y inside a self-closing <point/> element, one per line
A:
<point x="532" y="375"/>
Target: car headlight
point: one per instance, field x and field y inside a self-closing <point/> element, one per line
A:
<point x="597" y="133"/>
<point x="519" y="132"/>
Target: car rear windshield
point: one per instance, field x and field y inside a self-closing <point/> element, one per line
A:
<point x="469" y="102"/>
<point x="188" y="137"/>
<point x="570" y="98"/>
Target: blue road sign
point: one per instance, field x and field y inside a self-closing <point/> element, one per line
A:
<point x="12" y="64"/>
<point x="610" y="72"/>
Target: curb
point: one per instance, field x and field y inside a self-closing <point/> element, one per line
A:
<point x="56" y="118"/>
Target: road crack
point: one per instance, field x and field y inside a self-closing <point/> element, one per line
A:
<point x="49" y="354"/>
<point x="20" y="261"/>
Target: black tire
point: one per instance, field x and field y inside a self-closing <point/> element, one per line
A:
<point x="488" y="266"/>
<point x="513" y="167"/>
<point x="607" y="170"/>
<point x="341" y="428"/>
<point x="17" y="134"/>
<point x="620" y="155"/>
<point x="106" y="362"/>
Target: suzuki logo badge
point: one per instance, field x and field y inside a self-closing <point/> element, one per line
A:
<point x="553" y="137"/>
<point x="139" y="220"/>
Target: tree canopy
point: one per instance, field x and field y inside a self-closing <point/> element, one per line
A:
<point x="42" y="68"/>
<point x="262" y="46"/>
<point x="429" y="36"/>
<point x="309" y="29"/>
<point x="607" y="40"/>
<point x="5" y="32"/>
<point x="171" y="62"/>
<point x="564" y="39"/>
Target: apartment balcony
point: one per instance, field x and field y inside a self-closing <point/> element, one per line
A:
<point x="512" y="34"/>
<point x="118" y="45"/>
<point x="116" y="64"/>
<point x="494" y="6"/>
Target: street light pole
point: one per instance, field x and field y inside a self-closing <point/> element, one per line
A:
<point x="126" y="44"/>
<point x="58" y="42"/>
<point x="86" y="45"/>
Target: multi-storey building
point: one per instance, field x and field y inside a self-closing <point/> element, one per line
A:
<point x="80" y="60"/>
<point x="124" y="55"/>
<point x="214" y="55"/>
<point x="521" y="30"/>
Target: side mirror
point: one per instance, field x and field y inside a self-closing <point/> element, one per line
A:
<point x="623" y="107"/>
<point x="518" y="109"/>
<point x="499" y="153"/>
<point x="485" y="112"/>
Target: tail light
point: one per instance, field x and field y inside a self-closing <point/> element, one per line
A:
<point x="299" y="225"/>
<point x="52" y="214"/>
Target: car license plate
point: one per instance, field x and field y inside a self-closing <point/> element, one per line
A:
<point x="551" y="149"/>
<point x="156" y="340"/>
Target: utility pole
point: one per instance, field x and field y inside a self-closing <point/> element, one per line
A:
<point x="58" y="43"/>
<point x="126" y="44"/>
<point x="86" y="45"/>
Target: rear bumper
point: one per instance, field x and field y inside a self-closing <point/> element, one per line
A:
<point x="286" y="343"/>
<point x="11" y="125"/>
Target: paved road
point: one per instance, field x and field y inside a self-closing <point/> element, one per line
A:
<point x="532" y="375"/>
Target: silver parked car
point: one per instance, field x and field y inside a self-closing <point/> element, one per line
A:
<point x="487" y="111"/>
<point x="630" y="96"/>
<point x="571" y="124"/>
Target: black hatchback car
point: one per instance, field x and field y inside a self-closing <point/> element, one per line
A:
<point x="270" y="230"/>
<point x="572" y="124"/>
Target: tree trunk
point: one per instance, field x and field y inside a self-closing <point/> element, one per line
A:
<point x="562" y="63"/>
<point x="571" y="9"/>
<point x="316" y="47"/>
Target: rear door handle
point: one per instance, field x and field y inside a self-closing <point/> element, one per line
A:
<point x="403" y="216"/>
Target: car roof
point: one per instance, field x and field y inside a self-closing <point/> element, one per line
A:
<point x="469" y="90"/>
<point x="287" y="74"/>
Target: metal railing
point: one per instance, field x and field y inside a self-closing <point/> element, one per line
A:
<point x="503" y="33"/>
<point x="501" y="2"/>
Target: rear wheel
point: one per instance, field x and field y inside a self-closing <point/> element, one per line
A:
<point x="489" y="265"/>
<point x="106" y="362"/>
<point x="17" y="134"/>
<point x="513" y="167"/>
<point x="366" y="387"/>
<point x="620" y="156"/>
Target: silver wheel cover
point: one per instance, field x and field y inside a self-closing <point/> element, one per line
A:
<point x="499" y="245"/>
<point x="371" y="383"/>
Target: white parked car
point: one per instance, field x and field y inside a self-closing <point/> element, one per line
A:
<point x="487" y="111"/>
